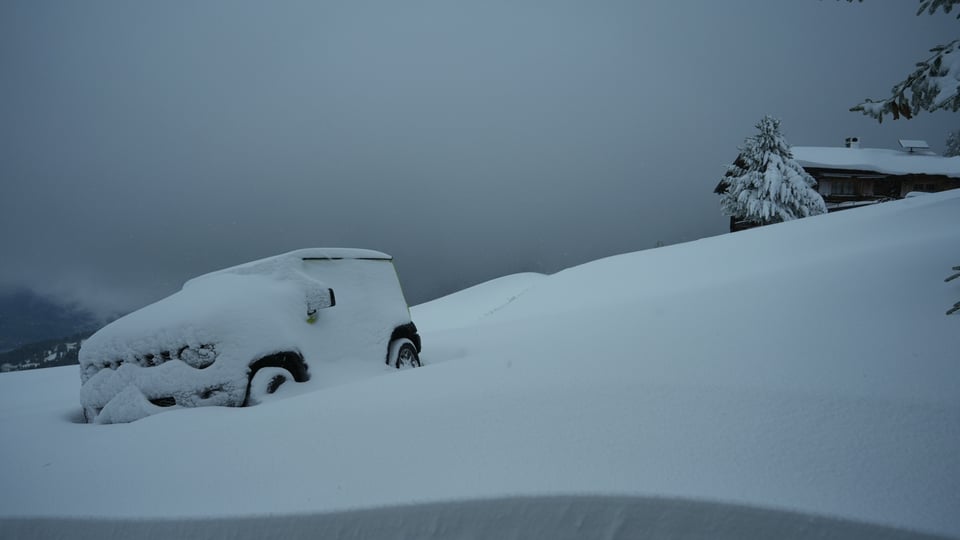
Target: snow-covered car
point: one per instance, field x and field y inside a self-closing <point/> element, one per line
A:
<point x="233" y="337"/>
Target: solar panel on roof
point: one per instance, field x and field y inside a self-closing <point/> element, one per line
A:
<point x="912" y="144"/>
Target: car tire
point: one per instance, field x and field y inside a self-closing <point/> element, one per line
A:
<point x="265" y="382"/>
<point x="403" y="354"/>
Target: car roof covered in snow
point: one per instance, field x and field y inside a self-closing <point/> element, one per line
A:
<point x="876" y="159"/>
<point x="321" y="254"/>
<point x="308" y="254"/>
<point x="338" y="253"/>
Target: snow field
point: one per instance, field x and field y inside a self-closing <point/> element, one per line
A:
<point x="788" y="381"/>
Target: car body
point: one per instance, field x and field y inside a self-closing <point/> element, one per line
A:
<point x="233" y="337"/>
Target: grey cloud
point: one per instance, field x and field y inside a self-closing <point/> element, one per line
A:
<point x="144" y="143"/>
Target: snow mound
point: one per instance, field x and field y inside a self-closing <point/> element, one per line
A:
<point x="805" y="368"/>
<point x="520" y="518"/>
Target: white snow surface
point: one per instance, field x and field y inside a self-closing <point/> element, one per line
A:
<point x="880" y="160"/>
<point x="471" y="306"/>
<point x="805" y="367"/>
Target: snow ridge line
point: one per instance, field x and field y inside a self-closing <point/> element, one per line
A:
<point x="507" y="303"/>
<point x="547" y="517"/>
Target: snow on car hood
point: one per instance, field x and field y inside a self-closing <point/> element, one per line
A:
<point x="242" y="315"/>
<point x="245" y="310"/>
<point x="196" y="345"/>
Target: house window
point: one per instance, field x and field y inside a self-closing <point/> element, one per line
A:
<point x="842" y="188"/>
<point x="924" y="187"/>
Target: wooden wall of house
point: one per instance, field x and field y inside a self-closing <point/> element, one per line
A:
<point x="850" y="187"/>
<point x="927" y="183"/>
<point x="823" y="187"/>
<point x="868" y="185"/>
<point x="887" y="187"/>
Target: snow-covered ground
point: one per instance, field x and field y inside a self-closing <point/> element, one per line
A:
<point x="790" y="381"/>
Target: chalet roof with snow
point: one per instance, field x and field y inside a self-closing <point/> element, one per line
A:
<point x="893" y="162"/>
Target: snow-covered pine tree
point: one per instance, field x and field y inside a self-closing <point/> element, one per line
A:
<point x="953" y="144"/>
<point x="765" y="185"/>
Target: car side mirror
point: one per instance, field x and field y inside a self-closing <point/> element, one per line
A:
<point x="317" y="299"/>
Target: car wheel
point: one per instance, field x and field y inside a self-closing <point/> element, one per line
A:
<point x="403" y="353"/>
<point x="90" y="414"/>
<point x="265" y="382"/>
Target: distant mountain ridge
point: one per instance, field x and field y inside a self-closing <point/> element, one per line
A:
<point x="47" y="353"/>
<point x="26" y="317"/>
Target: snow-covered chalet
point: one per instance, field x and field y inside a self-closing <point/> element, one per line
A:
<point x="851" y="176"/>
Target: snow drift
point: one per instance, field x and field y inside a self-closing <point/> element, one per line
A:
<point x="804" y="373"/>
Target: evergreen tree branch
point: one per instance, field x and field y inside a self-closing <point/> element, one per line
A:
<point x="931" y="6"/>
<point x="953" y="144"/>
<point x="934" y="85"/>
<point x="956" y="307"/>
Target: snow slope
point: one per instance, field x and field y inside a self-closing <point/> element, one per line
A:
<point x="789" y="381"/>
<point x="471" y="306"/>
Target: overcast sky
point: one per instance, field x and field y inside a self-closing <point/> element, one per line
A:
<point x="142" y="143"/>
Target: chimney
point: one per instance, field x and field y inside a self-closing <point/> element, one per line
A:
<point x="852" y="142"/>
